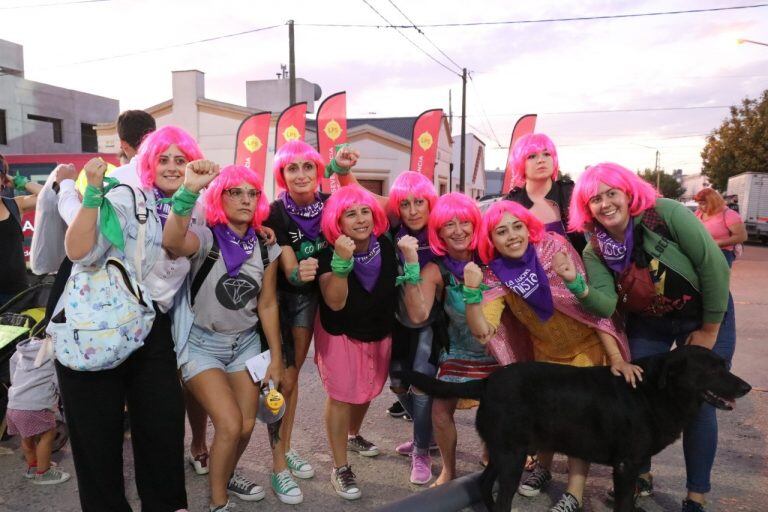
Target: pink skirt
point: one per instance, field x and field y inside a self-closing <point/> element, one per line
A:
<point x="352" y="371"/>
<point x="29" y="423"/>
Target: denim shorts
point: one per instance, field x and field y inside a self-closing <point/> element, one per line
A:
<point x="296" y="310"/>
<point x="227" y="352"/>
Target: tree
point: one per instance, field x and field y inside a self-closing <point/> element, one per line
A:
<point x="738" y="145"/>
<point x="669" y="186"/>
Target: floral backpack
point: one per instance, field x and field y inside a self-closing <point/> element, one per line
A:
<point x="107" y="311"/>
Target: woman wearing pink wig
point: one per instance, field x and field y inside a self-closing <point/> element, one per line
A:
<point x="233" y="288"/>
<point x="635" y="231"/>
<point x="295" y="217"/>
<point x="95" y="401"/>
<point x="537" y="187"/>
<point x="353" y="330"/>
<point x="520" y="254"/>
<point x="453" y="234"/>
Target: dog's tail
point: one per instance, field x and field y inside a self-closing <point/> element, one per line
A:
<point x="441" y="389"/>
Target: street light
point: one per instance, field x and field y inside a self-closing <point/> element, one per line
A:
<point x="742" y="41"/>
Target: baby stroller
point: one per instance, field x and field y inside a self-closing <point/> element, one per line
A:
<point x="23" y="317"/>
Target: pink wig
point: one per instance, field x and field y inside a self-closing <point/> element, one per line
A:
<point x="292" y="151"/>
<point x="493" y="216"/>
<point x="410" y="183"/>
<point x="446" y="208"/>
<point x="159" y="141"/>
<point x="525" y="147"/>
<point x="344" y="199"/>
<point x="233" y="176"/>
<point x="641" y="194"/>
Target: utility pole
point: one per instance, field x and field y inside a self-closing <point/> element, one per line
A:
<point x="658" y="173"/>
<point x="463" y="129"/>
<point x="291" y="64"/>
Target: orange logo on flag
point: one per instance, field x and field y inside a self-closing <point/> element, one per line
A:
<point x="425" y="141"/>
<point x="252" y="143"/>
<point x="291" y="133"/>
<point x="332" y="129"/>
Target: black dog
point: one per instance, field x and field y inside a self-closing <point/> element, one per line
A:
<point x="588" y="413"/>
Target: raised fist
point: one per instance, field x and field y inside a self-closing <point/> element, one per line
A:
<point x="199" y="173"/>
<point x="94" y="172"/>
<point x="65" y="172"/>
<point x="409" y="246"/>
<point x="307" y="270"/>
<point x="347" y="157"/>
<point x="344" y="247"/>
<point x="563" y="265"/>
<point x="473" y="276"/>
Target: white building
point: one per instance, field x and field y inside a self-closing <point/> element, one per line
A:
<point x="39" y="118"/>
<point x="384" y="143"/>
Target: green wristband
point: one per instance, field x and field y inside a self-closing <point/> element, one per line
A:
<point x="333" y="167"/>
<point x="473" y="295"/>
<point x="294" y="278"/>
<point x="578" y="286"/>
<point x="92" y="197"/>
<point x="340" y="266"/>
<point x="184" y="201"/>
<point x="411" y="274"/>
<point x="20" y="182"/>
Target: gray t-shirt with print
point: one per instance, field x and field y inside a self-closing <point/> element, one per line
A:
<point x="227" y="304"/>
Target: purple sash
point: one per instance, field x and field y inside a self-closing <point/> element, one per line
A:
<point x="306" y="217"/>
<point x="162" y="205"/>
<point x="234" y="250"/>
<point x="368" y="265"/>
<point x="527" y="278"/>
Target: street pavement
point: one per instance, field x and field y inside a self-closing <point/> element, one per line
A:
<point x="740" y="476"/>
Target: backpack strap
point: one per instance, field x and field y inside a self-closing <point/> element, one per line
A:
<point x="13" y="208"/>
<point x="264" y="253"/>
<point x="141" y="214"/>
<point x="205" y="269"/>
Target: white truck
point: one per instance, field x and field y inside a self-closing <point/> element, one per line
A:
<point x="752" y="190"/>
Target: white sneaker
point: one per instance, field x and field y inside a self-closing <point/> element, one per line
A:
<point x="343" y="480"/>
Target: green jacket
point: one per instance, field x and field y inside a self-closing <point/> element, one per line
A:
<point x="692" y="253"/>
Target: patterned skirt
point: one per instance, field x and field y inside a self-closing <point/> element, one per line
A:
<point x="30" y="423"/>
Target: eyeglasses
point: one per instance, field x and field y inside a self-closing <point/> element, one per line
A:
<point x="237" y="193"/>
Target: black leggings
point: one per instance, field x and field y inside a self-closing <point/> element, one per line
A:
<point x="93" y="407"/>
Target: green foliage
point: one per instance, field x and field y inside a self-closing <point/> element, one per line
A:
<point x="670" y="188"/>
<point x="738" y="145"/>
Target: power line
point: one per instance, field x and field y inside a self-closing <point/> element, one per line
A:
<point x="459" y="66"/>
<point x="482" y="109"/>
<point x="179" y="45"/>
<point x="618" y="110"/>
<point x="53" y="4"/>
<point x="543" y="20"/>
<point x="408" y="39"/>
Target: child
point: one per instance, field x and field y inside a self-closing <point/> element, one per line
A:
<point x="32" y="399"/>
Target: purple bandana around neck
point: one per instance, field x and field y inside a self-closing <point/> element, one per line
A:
<point x="162" y="208"/>
<point x="617" y="255"/>
<point x="306" y="217"/>
<point x="368" y="265"/>
<point x="424" y="252"/>
<point x="456" y="267"/>
<point x="526" y="277"/>
<point x="234" y="250"/>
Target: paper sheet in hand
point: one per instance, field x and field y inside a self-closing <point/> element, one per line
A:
<point x="257" y="366"/>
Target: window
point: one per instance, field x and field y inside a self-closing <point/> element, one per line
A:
<point x="58" y="132"/>
<point x="88" y="140"/>
<point x="3" y="133"/>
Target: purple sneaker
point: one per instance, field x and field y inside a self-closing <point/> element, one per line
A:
<point x="406" y="448"/>
<point x="421" y="469"/>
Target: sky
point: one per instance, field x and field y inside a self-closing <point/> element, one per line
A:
<point x="666" y="81"/>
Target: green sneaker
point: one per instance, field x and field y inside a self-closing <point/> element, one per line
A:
<point x="50" y="477"/>
<point x="299" y="467"/>
<point x="286" y="489"/>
